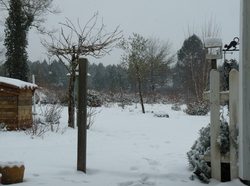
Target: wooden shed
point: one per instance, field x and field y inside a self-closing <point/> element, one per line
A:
<point x="16" y="103"/>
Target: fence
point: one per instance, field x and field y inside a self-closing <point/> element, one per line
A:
<point x="214" y="95"/>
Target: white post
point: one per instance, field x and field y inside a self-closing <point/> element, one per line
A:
<point x="34" y="96"/>
<point x="244" y="92"/>
<point x="215" y="124"/>
<point x="234" y="109"/>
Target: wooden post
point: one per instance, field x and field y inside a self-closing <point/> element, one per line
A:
<point x="213" y="63"/>
<point x="82" y="116"/>
<point x="244" y="92"/>
<point x="234" y="109"/>
<point x="215" y="124"/>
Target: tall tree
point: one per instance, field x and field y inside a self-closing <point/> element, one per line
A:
<point x="190" y="74"/>
<point x="17" y="26"/>
<point x="37" y="10"/>
<point x="23" y="14"/>
<point x="134" y="60"/>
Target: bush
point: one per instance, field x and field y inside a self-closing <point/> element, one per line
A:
<point x="94" y="99"/>
<point x="202" y="147"/>
<point x="161" y="115"/>
<point x="176" y="107"/>
<point x="197" y="108"/>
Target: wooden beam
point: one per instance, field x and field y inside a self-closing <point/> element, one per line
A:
<point x="223" y="95"/>
<point x="233" y="120"/>
<point x="215" y="124"/>
<point x="224" y="159"/>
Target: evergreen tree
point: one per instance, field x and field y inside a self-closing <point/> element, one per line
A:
<point x="17" y="26"/>
<point x="191" y="71"/>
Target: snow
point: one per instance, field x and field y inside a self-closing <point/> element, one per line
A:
<point x="11" y="164"/>
<point x="17" y="83"/>
<point x="124" y="148"/>
<point x="213" y="42"/>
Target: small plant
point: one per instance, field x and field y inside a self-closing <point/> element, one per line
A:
<point x="2" y="127"/>
<point x="52" y="113"/>
<point x="91" y="114"/>
<point x="48" y="120"/>
<point x="197" y="108"/>
<point x="37" y="129"/>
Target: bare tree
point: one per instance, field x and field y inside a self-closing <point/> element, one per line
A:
<point x="80" y="41"/>
<point x="35" y="10"/>
<point x="159" y="56"/>
<point x="210" y="29"/>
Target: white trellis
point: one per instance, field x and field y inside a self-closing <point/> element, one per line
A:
<point x="214" y="95"/>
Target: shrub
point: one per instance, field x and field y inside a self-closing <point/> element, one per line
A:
<point x="176" y="107"/>
<point x="91" y="114"/>
<point x="161" y="115"/>
<point x="202" y="147"/>
<point x="94" y="99"/>
<point x="197" y="108"/>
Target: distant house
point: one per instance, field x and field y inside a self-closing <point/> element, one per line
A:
<point x="16" y="103"/>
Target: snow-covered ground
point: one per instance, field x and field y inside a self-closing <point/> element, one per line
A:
<point x="124" y="148"/>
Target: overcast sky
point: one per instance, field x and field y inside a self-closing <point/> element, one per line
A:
<point x="164" y="19"/>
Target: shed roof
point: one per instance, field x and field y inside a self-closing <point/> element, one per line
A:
<point x="16" y="83"/>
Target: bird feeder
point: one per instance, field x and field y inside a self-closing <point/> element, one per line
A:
<point x="213" y="47"/>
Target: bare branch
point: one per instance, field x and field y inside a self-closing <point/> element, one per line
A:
<point x="89" y="40"/>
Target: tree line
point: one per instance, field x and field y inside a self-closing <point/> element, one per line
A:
<point x="148" y="66"/>
<point x="175" y="80"/>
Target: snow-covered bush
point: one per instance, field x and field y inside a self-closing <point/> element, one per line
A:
<point x="94" y="99"/>
<point x="161" y="115"/>
<point x="197" y="108"/>
<point x="202" y="147"/>
<point x="176" y="107"/>
<point x="2" y="127"/>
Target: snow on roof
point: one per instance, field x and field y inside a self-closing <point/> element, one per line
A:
<point x="213" y="42"/>
<point x="16" y="83"/>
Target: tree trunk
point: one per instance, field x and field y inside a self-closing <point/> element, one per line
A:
<point x="140" y="95"/>
<point x="139" y="89"/>
<point x="71" y="105"/>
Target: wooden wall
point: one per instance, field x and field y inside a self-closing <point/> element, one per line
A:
<point x="25" y="109"/>
<point x="16" y="108"/>
<point x="9" y="109"/>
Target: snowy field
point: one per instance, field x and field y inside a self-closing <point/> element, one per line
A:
<point x="124" y="148"/>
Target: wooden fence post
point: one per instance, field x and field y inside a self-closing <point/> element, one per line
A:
<point x="82" y="116"/>
<point x="233" y="109"/>
<point x="215" y="124"/>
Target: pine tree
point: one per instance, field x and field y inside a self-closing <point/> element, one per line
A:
<point x="17" y="25"/>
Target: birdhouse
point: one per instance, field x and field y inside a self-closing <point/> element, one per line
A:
<point x="16" y="103"/>
<point x="213" y="47"/>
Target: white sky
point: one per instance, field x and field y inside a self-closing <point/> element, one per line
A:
<point x="164" y="19"/>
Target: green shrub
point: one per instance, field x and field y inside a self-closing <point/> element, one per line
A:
<point x="202" y="147"/>
<point x="197" y="108"/>
<point x="94" y="99"/>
